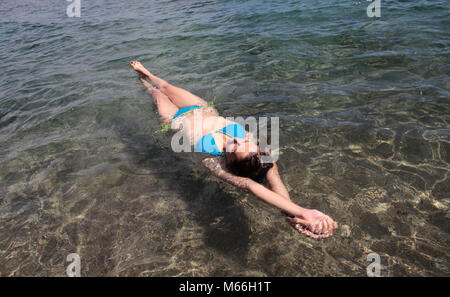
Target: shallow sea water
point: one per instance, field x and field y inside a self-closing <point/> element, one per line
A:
<point x="364" y="137"/>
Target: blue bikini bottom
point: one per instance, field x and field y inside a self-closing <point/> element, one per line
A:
<point x="184" y="110"/>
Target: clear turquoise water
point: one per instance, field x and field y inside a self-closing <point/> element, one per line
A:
<point x="363" y="106"/>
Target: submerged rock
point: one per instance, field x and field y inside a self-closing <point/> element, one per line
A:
<point x="355" y="148"/>
<point x="345" y="231"/>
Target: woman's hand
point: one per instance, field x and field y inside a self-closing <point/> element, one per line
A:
<point x="313" y="223"/>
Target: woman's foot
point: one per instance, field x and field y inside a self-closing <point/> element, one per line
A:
<point x="313" y="224"/>
<point x="144" y="81"/>
<point x="138" y="67"/>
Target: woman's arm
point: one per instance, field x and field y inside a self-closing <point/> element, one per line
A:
<point x="275" y="182"/>
<point x="217" y="166"/>
<point x="320" y="225"/>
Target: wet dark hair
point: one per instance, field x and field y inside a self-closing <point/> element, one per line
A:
<point x="251" y="167"/>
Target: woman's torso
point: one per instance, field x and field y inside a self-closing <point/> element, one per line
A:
<point x="200" y="123"/>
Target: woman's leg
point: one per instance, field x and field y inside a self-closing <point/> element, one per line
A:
<point x="166" y="108"/>
<point x="178" y="96"/>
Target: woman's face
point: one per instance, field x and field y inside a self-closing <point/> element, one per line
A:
<point x="238" y="149"/>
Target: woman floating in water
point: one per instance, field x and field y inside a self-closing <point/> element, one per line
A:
<point x="231" y="154"/>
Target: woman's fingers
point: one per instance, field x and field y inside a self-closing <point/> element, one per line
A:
<point x="296" y="220"/>
<point x="323" y="228"/>
<point x="332" y="225"/>
<point x="326" y="227"/>
<point x="319" y="227"/>
<point x="307" y="232"/>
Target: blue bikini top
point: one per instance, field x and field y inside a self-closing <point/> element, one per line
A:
<point x="208" y="145"/>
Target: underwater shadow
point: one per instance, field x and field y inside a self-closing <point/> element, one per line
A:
<point x="224" y="223"/>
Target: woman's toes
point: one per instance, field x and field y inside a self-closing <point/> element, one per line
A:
<point x="135" y="64"/>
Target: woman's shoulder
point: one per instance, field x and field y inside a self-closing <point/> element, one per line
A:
<point x="205" y="158"/>
<point x="212" y="162"/>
